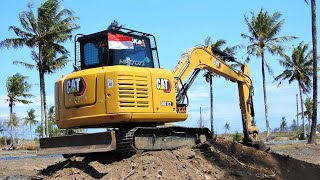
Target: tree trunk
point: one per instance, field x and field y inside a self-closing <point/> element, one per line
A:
<point x="30" y="132"/>
<point x="297" y="113"/>
<point x="45" y="108"/>
<point x="312" y="138"/>
<point x="302" y="110"/>
<point x="41" y="77"/>
<point x="211" y="104"/>
<point x="11" y="125"/>
<point x="43" y="111"/>
<point x="265" y="96"/>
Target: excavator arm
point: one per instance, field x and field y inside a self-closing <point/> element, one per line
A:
<point x="199" y="58"/>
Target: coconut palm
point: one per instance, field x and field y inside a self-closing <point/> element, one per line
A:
<point x="264" y="29"/>
<point x="298" y="68"/>
<point x="44" y="32"/>
<point x="226" y="127"/>
<point x="13" y="123"/>
<point x="308" y="112"/>
<point x="312" y="138"/>
<point x="283" y="124"/>
<point x="51" y="116"/>
<point x="18" y="91"/>
<point x="219" y="44"/>
<point x="30" y="120"/>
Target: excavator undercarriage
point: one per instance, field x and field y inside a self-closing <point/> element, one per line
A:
<point x="126" y="140"/>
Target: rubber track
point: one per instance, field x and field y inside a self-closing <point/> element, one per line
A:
<point x="125" y="137"/>
<point x="125" y="140"/>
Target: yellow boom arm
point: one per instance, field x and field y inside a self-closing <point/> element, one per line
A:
<point x="199" y="58"/>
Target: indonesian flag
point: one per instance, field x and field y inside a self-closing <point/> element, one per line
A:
<point x="119" y="41"/>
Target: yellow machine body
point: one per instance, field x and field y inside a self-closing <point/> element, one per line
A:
<point x="119" y="84"/>
<point x="103" y="96"/>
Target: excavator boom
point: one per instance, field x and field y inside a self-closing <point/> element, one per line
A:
<point x="199" y="58"/>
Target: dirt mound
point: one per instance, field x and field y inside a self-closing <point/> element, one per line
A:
<point x="214" y="160"/>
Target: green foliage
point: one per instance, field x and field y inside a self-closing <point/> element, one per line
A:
<point x="283" y="124"/>
<point x="227" y="126"/>
<point x="55" y="131"/>
<point x="18" y="89"/>
<point x="237" y="136"/>
<point x="264" y="29"/>
<point x="51" y="114"/>
<point x="3" y="140"/>
<point x="293" y="126"/>
<point x="14" y="122"/>
<point x="298" y="67"/>
<point x="44" y="32"/>
<point x="30" y="118"/>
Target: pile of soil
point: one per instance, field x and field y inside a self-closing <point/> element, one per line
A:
<point x="211" y="160"/>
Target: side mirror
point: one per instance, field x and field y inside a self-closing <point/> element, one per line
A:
<point x="76" y="68"/>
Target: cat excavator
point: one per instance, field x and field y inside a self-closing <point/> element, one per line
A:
<point x="118" y="84"/>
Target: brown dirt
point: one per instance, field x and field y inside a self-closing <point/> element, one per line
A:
<point x="214" y="160"/>
<point x="301" y="151"/>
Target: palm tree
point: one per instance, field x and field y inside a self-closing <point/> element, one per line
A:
<point x="18" y="89"/>
<point x="44" y="32"/>
<point x="298" y="68"/>
<point x="283" y="124"/>
<point x="308" y="112"/>
<point x="209" y="75"/>
<point x="12" y="124"/>
<point x="226" y="127"/>
<point x="30" y="120"/>
<point x="2" y="130"/>
<point x="264" y="30"/>
<point x="312" y="138"/>
<point x="51" y="116"/>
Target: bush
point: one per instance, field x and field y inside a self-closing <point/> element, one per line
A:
<point x="3" y="140"/>
<point x="237" y="136"/>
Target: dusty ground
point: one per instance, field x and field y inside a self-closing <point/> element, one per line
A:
<point x="215" y="160"/>
<point x="301" y="151"/>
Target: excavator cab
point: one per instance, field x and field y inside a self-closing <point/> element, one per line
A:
<point x="117" y="46"/>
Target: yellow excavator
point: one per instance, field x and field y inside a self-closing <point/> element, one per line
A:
<point x="118" y="84"/>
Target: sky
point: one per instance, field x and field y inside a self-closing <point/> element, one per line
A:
<point x="177" y="26"/>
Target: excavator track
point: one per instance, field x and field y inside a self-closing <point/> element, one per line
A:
<point x="130" y="140"/>
<point x="125" y="140"/>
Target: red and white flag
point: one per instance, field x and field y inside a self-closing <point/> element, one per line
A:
<point x="119" y="41"/>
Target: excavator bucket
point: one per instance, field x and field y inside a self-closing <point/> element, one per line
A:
<point x="78" y="144"/>
<point x="258" y="145"/>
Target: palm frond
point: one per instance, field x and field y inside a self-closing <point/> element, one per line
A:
<point x="14" y="42"/>
<point x="23" y="101"/>
<point x="26" y="65"/>
<point x="207" y="41"/>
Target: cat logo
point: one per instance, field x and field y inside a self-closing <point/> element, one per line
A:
<point x="75" y="86"/>
<point x="164" y="84"/>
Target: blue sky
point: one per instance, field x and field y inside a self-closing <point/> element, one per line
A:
<point x="177" y="26"/>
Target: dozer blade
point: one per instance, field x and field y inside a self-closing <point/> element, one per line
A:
<point x="78" y="144"/>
